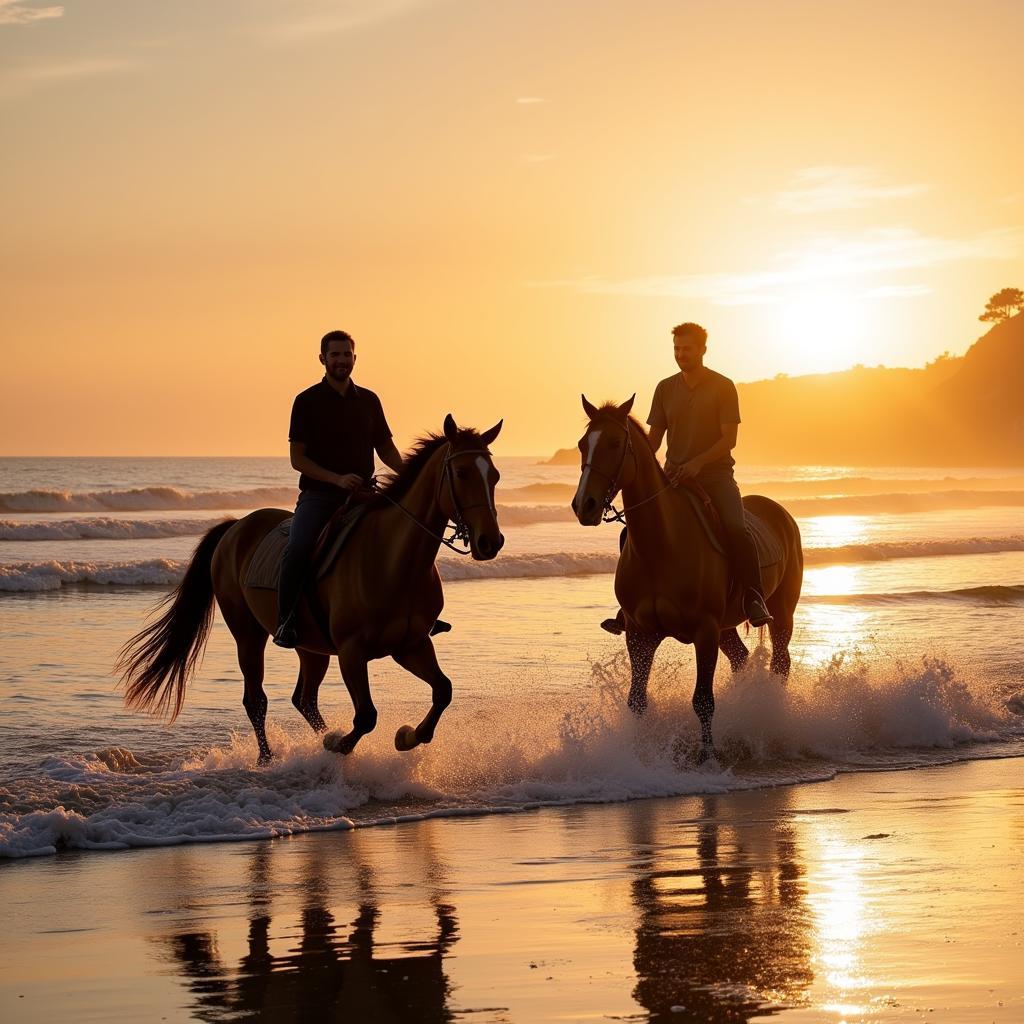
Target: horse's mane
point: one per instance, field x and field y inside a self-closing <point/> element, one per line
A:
<point x="397" y="485"/>
<point x="608" y="410"/>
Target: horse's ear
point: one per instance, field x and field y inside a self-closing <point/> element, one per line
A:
<point x="626" y="406"/>
<point x="450" y="427"/>
<point x="488" y="436"/>
<point x="589" y="409"/>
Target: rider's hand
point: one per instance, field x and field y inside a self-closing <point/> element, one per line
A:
<point x="349" y="481"/>
<point x="687" y="470"/>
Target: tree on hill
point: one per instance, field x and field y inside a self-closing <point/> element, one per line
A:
<point x="1004" y="304"/>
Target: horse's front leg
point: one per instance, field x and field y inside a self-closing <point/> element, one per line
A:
<point x="705" y="643"/>
<point x="641" y="650"/>
<point x="353" y="663"/>
<point x="421" y="661"/>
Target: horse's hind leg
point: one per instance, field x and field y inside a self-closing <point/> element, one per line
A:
<point x="251" y="647"/>
<point x="312" y="669"/>
<point x="781" y="632"/>
<point x="421" y="661"/>
<point x="730" y="644"/>
<point x="641" y="650"/>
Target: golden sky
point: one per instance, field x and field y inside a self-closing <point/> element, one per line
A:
<point x="505" y="203"/>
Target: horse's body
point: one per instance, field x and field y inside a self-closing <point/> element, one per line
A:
<point x="670" y="580"/>
<point x="380" y="597"/>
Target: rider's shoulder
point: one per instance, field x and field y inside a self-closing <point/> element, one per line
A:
<point x="719" y="379"/>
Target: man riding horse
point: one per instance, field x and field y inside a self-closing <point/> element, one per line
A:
<point x="335" y="428"/>
<point x="699" y="410"/>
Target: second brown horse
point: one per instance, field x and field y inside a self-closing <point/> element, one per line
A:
<point x="670" y="580"/>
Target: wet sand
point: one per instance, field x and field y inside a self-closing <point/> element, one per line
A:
<point x="878" y="896"/>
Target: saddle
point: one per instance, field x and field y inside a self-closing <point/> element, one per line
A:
<point x="769" y="548"/>
<point x="264" y="569"/>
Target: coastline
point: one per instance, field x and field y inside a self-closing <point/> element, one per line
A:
<point x="870" y="896"/>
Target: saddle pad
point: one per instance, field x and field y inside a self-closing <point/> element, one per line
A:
<point x="265" y="568"/>
<point x="769" y="548"/>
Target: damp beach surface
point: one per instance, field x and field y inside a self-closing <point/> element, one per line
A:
<point x="874" y="896"/>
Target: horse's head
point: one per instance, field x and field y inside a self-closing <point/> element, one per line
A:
<point x="605" y="466"/>
<point x="467" y="487"/>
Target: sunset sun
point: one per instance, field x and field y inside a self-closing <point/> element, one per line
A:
<point x="822" y="329"/>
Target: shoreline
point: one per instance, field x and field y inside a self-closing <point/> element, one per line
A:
<point x="823" y="902"/>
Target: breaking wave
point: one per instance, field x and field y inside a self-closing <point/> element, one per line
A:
<point x="848" y="715"/>
<point x="52" y="574"/>
<point x="144" y="499"/>
<point x="990" y="595"/>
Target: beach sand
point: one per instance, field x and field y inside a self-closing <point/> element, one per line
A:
<point x="876" y="896"/>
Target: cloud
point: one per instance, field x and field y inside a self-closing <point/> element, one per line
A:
<point x="337" y="16"/>
<point x="27" y="77"/>
<point x="824" y="259"/>
<point x="898" y="291"/>
<point x="14" y="13"/>
<point x="530" y="101"/>
<point x="820" y="189"/>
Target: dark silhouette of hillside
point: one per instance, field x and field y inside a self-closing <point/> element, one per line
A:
<point x="963" y="410"/>
<point x="957" y="411"/>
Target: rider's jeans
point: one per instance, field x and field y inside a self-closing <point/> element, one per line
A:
<point x="312" y="512"/>
<point x="725" y="496"/>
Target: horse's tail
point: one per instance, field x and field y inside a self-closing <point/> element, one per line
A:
<point x="157" y="663"/>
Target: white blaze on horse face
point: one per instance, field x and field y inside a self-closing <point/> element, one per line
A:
<point x="592" y="438"/>
<point x="483" y="465"/>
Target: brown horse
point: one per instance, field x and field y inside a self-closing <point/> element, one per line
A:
<point x="670" y="580"/>
<point x="379" y="599"/>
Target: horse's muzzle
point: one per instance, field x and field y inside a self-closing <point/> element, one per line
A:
<point x="487" y="548"/>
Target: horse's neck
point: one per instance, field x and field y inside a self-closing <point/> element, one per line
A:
<point x="411" y="542"/>
<point x="648" y="517"/>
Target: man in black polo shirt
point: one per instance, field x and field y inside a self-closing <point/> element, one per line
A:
<point x="335" y="429"/>
<point x="700" y="411"/>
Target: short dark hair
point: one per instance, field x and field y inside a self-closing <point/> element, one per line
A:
<point x="695" y="329"/>
<point x="330" y="336"/>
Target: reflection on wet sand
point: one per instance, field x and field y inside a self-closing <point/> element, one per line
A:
<point x="334" y="966"/>
<point x="723" y="926"/>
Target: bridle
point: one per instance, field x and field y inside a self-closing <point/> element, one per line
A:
<point x="459" y="526"/>
<point x="614" y="482"/>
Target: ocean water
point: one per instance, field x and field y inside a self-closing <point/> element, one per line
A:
<point x="907" y="652"/>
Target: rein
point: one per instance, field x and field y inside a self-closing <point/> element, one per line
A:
<point x="460" y="529"/>
<point x="609" y="513"/>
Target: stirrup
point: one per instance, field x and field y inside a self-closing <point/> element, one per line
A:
<point x="756" y="610"/>
<point x="287" y="636"/>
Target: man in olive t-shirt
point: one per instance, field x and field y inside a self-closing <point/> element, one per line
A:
<point x="700" y="411"/>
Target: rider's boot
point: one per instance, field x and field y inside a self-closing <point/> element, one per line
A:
<point x="616" y="626"/>
<point x="287" y="636"/>
<point x="440" y="626"/>
<point x="755" y="609"/>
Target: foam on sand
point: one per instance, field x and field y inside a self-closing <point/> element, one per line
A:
<point x="848" y="715"/>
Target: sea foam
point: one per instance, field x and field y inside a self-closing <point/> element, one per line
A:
<point x="847" y="715"/>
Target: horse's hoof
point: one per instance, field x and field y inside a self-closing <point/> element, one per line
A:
<point x="338" y="742"/>
<point x="706" y="757"/>
<point x="406" y="738"/>
<point x="264" y="759"/>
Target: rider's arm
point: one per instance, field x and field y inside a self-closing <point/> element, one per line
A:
<point x="655" y="436"/>
<point x="302" y="463"/>
<point x="389" y="455"/>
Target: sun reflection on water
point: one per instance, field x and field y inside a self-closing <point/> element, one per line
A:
<point x="838" y="903"/>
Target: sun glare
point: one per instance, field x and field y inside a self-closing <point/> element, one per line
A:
<point x="822" y="330"/>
